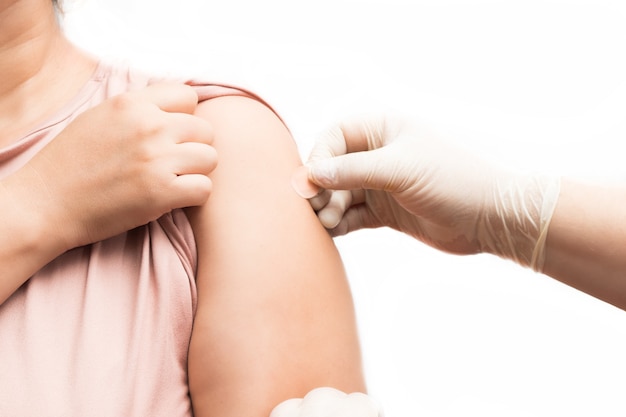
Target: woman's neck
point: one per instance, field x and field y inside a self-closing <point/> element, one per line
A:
<point x="29" y="34"/>
<point x="39" y="67"/>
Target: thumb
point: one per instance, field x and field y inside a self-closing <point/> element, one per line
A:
<point x="372" y="170"/>
<point x="352" y="135"/>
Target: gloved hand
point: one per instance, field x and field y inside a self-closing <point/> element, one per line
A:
<point x="405" y="177"/>
<point x="328" y="402"/>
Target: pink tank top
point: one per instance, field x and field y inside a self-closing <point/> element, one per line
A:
<point x="104" y="329"/>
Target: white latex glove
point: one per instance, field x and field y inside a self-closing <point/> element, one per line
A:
<point x="328" y="402"/>
<point x="405" y="177"/>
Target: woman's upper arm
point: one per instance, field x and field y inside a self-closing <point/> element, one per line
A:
<point x="275" y="316"/>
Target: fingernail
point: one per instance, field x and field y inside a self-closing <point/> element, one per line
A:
<point x="323" y="171"/>
<point x="302" y="185"/>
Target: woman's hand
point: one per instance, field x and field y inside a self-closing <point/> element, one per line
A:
<point x="117" y="166"/>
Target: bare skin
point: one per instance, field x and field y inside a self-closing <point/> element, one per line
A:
<point x="275" y="317"/>
<point x="156" y="151"/>
<point x="34" y="53"/>
<point x="273" y="321"/>
<point x="585" y="246"/>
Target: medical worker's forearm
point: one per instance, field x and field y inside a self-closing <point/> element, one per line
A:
<point x="586" y="242"/>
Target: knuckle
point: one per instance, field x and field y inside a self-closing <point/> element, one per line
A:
<point x="139" y="117"/>
<point x="199" y="194"/>
<point x="189" y="94"/>
<point x="211" y="157"/>
<point x="198" y="129"/>
<point x="146" y="129"/>
<point x="148" y="125"/>
<point x="122" y="103"/>
<point x="207" y="132"/>
<point x="206" y="187"/>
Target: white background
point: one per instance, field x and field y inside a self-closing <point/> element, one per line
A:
<point x="536" y="84"/>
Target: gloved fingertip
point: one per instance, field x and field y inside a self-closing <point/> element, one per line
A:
<point x="365" y="404"/>
<point x="329" y="218"/>
<point x="325" y="394"/>
<point x="302" y="185"/>
<point x="320" y="200"/>
<point x="288" y="408"/>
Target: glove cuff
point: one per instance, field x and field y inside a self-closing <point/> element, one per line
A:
<point x="518" y="225"/>
<point x="551" y="189"/>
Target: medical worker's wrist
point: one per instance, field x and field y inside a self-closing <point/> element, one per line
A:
<point x="516" y="223"/>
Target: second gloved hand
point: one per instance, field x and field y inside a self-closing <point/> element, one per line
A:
<point x="383" y="172"/>
<point x="328" y="402"/>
